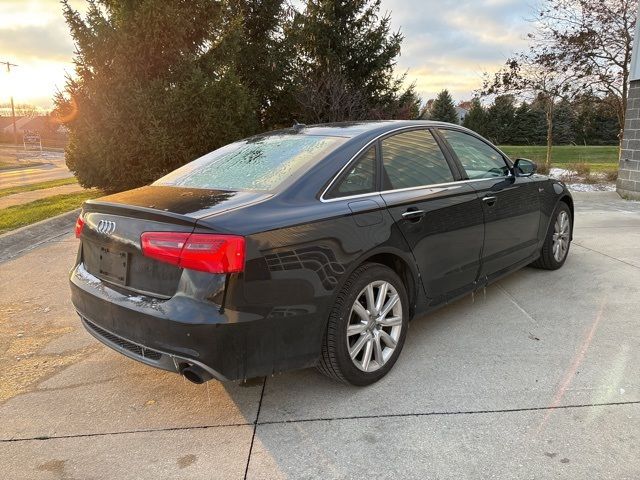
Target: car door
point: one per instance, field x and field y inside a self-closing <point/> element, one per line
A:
<point x="440" y="218"/>
<point x="510" y="204"/>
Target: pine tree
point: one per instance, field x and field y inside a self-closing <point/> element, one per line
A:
<point x="155" y="86"/>
<point x="501" y="116"/>
<point x="346" y="54"/>
<point x="443" y="109"/>
<point x="563" y="124"/>
<point x="476" y="119"/>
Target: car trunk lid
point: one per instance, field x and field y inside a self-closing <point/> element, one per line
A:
<point x="111" y="249"/>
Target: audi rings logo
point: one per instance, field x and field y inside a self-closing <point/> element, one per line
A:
<point x="106" y="226"/>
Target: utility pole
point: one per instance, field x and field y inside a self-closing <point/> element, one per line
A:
<point x="13" y="112"/>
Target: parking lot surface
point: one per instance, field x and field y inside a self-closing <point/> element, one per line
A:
<point x="536" y="377"/>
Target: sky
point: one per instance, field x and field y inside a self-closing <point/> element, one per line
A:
<point x="447" y="44"/>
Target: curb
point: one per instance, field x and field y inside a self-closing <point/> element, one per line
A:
<point x="23" y="239"/>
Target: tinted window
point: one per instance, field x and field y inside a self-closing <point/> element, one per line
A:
<point x="256" y="164"/>
<point x="360" y="178"/>
<point x="478" y="159"/>
<point x="413" y="159"/>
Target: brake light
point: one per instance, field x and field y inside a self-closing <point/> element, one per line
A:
<point x="79" y="226"/>
<point x="196" y="251"/>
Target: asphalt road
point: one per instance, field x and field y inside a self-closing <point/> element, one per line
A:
<point x="52" y="168"/>
<point x="536" y="378"/>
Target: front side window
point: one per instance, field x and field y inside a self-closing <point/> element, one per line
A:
<point x="260" y="163"/>
<point x="361" y="177"/>
<point x="413" y="159"/>
<point x="478" y="159"/>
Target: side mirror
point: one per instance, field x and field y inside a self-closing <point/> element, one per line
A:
<point x="524" y="167"/>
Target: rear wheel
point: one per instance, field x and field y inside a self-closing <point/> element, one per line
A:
<point x="367" y="326"/>
<point x="558" y="240"/>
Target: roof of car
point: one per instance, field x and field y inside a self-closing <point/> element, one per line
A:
<point x="353" y="129"/>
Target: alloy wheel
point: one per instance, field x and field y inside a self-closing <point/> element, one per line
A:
<point x="561" y="236"/>
<point x="374" y="327"/>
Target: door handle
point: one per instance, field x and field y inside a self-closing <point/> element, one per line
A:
<point x="490" y="200"/>
<point x="413" y="214"/>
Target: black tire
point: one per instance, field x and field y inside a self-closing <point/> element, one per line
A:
<point x="547" y="261"/>
<point x="335" y="361"/>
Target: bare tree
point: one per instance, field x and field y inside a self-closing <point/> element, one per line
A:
<point x="329" y="98"/>
<point x="537" y="75"/>
<point x="594" y="38"/>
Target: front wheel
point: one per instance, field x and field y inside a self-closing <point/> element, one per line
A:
<point x="367" y="326"/>
<point x="558" y="240"/>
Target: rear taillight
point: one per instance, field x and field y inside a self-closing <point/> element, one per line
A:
<point x="79" y="226"/>
<point x="196" y="251"/>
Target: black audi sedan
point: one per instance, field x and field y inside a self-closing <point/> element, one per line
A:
<point x="313" y="246"/>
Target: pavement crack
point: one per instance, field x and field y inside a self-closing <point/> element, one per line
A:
<point x="451" y="413"/>
<point x="255" y="427"/>
<point x="515" y="302"/>
<point x="605" y="255"/>
<point x="257" y="423"/>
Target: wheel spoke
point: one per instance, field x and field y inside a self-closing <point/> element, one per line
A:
<point x="388" y="339"/>
<point x="366" y="356"/>
<point x="356" y="329"/>
<point x="361" y="311"/>
<point x="355" y="350"/>
<point x="382" y="296"/>
<point x="389" y="305"/>
<point x="371" y="301"/>
<point x="390" y="321"/>
<point x="378" y="350"/>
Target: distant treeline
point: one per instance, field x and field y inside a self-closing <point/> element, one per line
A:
<point x="587" y="120"/>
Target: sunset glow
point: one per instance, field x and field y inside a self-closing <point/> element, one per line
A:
<point x="448" y="44"/>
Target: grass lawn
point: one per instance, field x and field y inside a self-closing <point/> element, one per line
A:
<point x="28" y="213"/>
<point x="598" y="157"/>
<point x="37" y="186"/>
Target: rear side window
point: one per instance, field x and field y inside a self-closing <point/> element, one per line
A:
<point x="478" y="159"/>
<point x="413" y="159"/>
<point x="260" y="163"/>
<point x="360" y="178"/>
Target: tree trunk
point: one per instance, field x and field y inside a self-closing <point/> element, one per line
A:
<point x="549" y="117"/>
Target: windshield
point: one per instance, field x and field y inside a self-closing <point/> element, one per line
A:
<point x="261" y="163"/>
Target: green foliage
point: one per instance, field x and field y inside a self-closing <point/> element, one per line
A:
<point x="443" y="108"/>
<point x="344" y="65"/>
<point x="500" y="119"/>
<point x="476" y="119"/>
<point x="529" y="126"/>
<point x="159" y="83"/>
<point x="155" y="87"/>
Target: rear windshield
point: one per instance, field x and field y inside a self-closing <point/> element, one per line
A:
<point x="260" y="163"/>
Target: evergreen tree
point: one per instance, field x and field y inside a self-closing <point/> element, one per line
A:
<point x="476" y="119"/>
<point x="265" y="60"/>
<point x="563" y="124"/>
<point x="155" y="87"/>
<point x="346" y="54"/>
<point x="443" y="108"/>
<point x="501" y="116"/>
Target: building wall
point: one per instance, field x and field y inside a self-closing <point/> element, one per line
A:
<point x="628" y="185"/>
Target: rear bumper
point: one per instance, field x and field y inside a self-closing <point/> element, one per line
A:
<point x="171" y="334"/>
<point x="141" y="353"/>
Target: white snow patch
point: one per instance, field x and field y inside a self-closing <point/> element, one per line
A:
<point x="591" y="187"/>
<point x="575" y="185"/>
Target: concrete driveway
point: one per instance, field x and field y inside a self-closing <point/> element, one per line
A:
<point x="538" y="377"/>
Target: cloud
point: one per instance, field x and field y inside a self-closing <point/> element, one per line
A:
<point x="447" y="43"/>
<point x="450" y="44"/>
